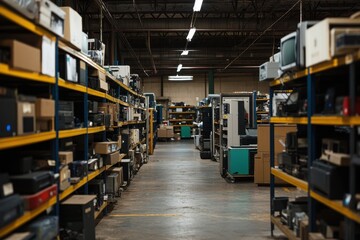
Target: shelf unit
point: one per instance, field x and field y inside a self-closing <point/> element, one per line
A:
<point x="262" y="105"/>
<point x="59" y="90"/>
<point x="312" y="78"/>
<point x="185" y="117"/>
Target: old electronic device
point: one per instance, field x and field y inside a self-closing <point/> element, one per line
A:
<point x="329" y="180"/>
<point x="344" y="40"/>
<point x="32" y="182"/>
<point x="6" y="187"/>
<point x="46" y="227"/>
<point x="84" y="44"/>
<point x="8" y="120"/>
<point x="301" y="42"/>
<point x="26" y="115"/>
<point x="126" y="166"/>
<point x="68" y="68"/>
<point x="51" y="17"/>
<point x="97" y="119"/>
<point x="27" y="8"/>
<point x="11" y="208"/>
<point x="121" y="72"/>
<point x="295" y="105"/>
<point x="268" y="71"/>
<point x="97" y="187"/>
<point x="96" y="51"/>
<point x="293" y="208"/>
<point x="79" y="169"/>
<point x="73" y="27"/>
<point x="77" y="214"/>
<point x="279" y="203"/>
<point x="112" y="187"/>
<point x="18" y="165"/>
<point x="37" y="199"/>
<point x="318" y="38"/>
<point x="93" y="164"/>
<point x="288" y="52"/>
<point x="66" y="115"/>
<point x="241" y="160"/>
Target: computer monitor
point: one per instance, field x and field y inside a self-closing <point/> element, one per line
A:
<point x="288" y="52"/>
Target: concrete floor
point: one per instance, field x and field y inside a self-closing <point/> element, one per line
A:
<point x="177" y="195"/>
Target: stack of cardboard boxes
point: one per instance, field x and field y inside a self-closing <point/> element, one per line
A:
<point x="262" y="158"/>
<point x="166" y="132"/>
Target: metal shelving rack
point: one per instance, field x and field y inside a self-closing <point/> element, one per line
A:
<point x="184" y="118"/>
<point x="308" y="77"/>
<point x="57" y="84"/>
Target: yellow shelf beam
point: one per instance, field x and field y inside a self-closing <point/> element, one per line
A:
<point x="96" y="173"/>
<point x="97" y="213"/>
<point x="37" y="77"/>
<point x="96" y="93"/>
<point x="71" y="86"/>
<point x="181" y="120"/>
<point x="25" y="23"/>
<point x="96" y="129"/>
<point x="295" y="120"/>
<point x="28" y="215"/>
<point x="184" y="125"/>
<point x="288" y="78"/>
<point x="72" y="132"/>
<point x="335" y="120"/>
<point x="283" y="228"/>
<point x="290" y="179"/>
<point x="337" y="206"/>
<point x="190" y="106"/>
<point x="17" y="141"/>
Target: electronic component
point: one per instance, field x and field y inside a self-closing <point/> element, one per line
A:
<point x="66" y="115"/>
<point x="32" y="182"/>
<point x="35" y="200"/>
<point x="11" y="208"/>
<point x="51" y="17"/>
<point x="268" y="71"/>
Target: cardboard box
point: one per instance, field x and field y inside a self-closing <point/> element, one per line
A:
<point x="65" y="157"/>
<point x="280" y="131"/>
<point x="119" y="171"/>
<point x="26" y="114"/>
<point x="105" y="147"/>
<point x="20" y="53"/>
<point x="48" y="57"/>
<point x="64" y="173"/>
<point x="112" y="158"/>
<point x="161" y="133"/>
<point x="258" y="170"/>
<point x="73" y="27"/>
<point x="65" y="184"/>
<point x="45" y="108"/>
<point x="44" y="125"/>
<point x="262" y="169"/>
<point x="119" y="142"/>
<point x="104" y="85"/>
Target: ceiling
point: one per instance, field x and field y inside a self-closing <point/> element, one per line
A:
<point x="231" y="36"/>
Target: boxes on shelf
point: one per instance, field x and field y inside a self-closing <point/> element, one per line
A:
<point x="45" y="112"/>
<point x="169" y="131"/>
<point x="77" y="214"/>
<point x="112" y="158"/>
<point x="26" y="119"/>
<point x="105" y="147"/>
<point x="65" y="157"/>
<point x="65" y="175"/>
<point x="134" y="136"/>
<point x="20" y="53"/>
<point x="73" y="27"/>
<point x="161" y="133"/>
<point x="121" y="72"/>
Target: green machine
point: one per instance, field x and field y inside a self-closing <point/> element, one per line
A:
<point x="185" y="132"/>
<point x="241" y="160"/>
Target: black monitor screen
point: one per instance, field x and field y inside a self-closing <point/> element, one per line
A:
<point x="288" y="52"/>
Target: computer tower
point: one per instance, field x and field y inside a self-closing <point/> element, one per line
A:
<point x="112" y="184"/>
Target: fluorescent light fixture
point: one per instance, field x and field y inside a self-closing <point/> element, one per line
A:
<point x="180" y="78"/>
<point x="185" y="53"/>
<point x="197" y="5"/>
<point x="179" y="68"/>
<point x="191" y="34"/>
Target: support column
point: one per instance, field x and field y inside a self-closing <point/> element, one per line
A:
<point x="211" y="81"/>
<point x="162" y="86"/>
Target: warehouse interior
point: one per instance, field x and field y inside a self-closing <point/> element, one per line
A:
<point x="189" y="119"/>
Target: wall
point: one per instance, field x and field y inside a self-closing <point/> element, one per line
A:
<point x="188" y="91"/>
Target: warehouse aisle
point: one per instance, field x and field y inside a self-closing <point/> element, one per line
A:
<point x="179" y="196"/>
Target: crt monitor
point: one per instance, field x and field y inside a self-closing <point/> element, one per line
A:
<point x="288" y="52"/>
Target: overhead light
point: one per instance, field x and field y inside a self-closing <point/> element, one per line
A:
<point x="197" y="5"/>
<point x="185" y="53"/>
<point x="180" y="78"/>
<point x="179" y="68"/>
<point x="191" y="34"/>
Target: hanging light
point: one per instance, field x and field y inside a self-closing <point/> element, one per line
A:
<point x="180" y="78"/>
<point x="185" y="53"/>
<point x="191" y="34"/>
<point x="197" y="5"/>
<point x="179" y="68"/>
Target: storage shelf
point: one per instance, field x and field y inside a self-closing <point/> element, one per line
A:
<point x="25" y="23"/>
<point x="78" y="185"/>
<point x="181" y="120"/>
<point x="115" y="100"/>
<point x="97" y="213"/>
<point x="17" y="141"/>
<point x="72" y="132"/>
<point x="96" y="129"/>
<point x="37" y="77"/>
<point x="182" y="125"/>
<point x="71" y="86"/>
<point x="335" y="120"/>
<point x="303" y="185"/>
<point x="190" y="106"/>
<point x="286" y="79"/>
<point x="335" y="62"/>
<point x="133" y="122"/>
<point x="181" y="112"/>
<point x="337" y="206"/>
<point x="28" y="215"/>
<point x="296" y="120"/>
<point x="65" y="47"/>
<point x="283" y="228"/>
